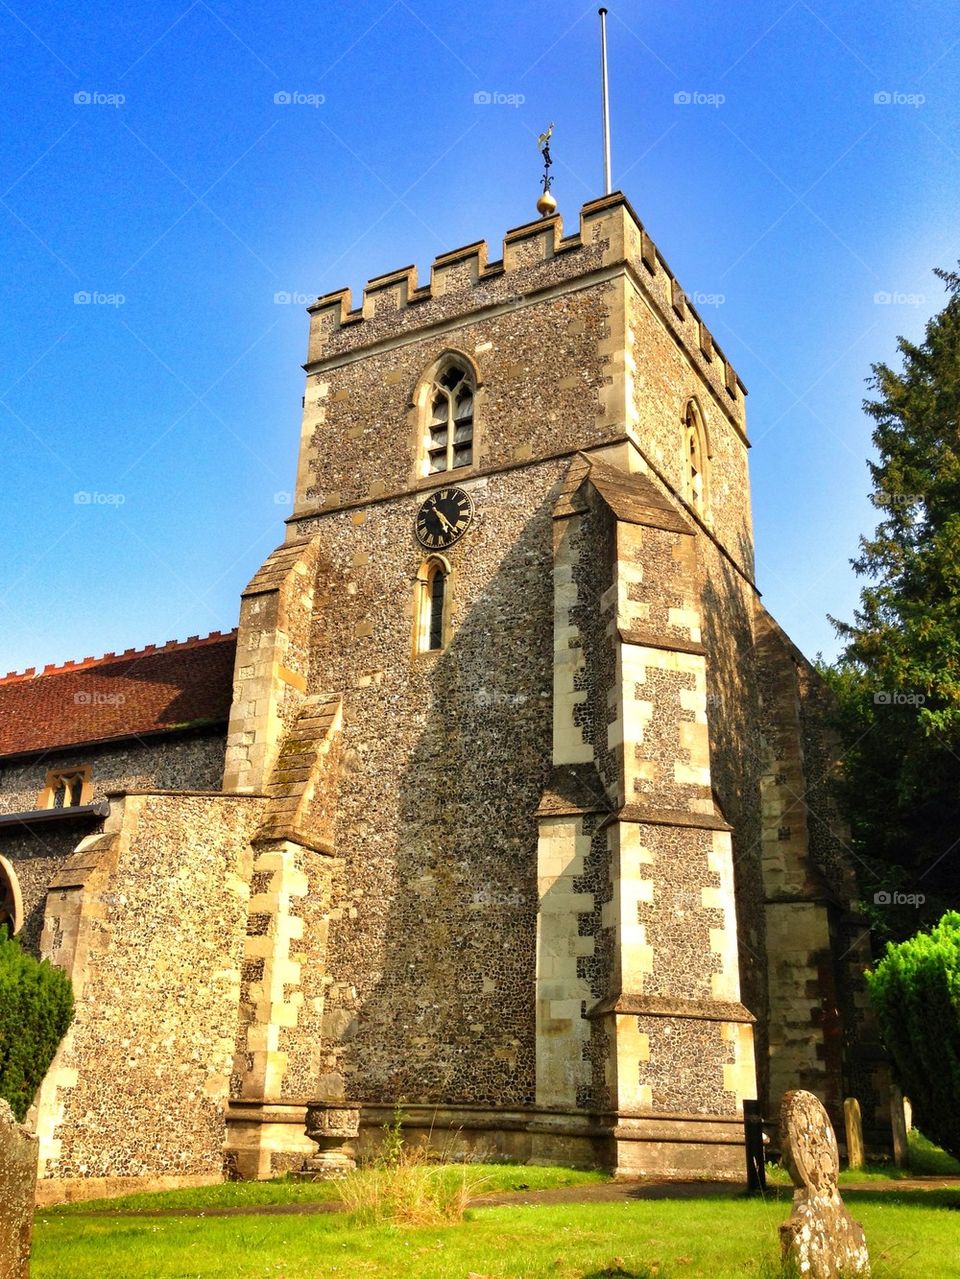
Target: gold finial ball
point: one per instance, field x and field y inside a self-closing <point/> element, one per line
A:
<point x="546" y="205"/>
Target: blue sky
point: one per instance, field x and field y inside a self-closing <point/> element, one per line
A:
<point x="144" y="161"/>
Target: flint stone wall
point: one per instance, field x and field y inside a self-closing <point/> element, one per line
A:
<point x="193" y="762"/>
<point x="431" y="952"/>
<point x="140" y="1086"/>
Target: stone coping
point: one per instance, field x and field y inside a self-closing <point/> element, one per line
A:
<point x="659" y="1006"/>
<point x="638" y="815"/>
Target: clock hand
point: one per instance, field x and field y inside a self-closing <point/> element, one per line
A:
<point x="443" y="519"/>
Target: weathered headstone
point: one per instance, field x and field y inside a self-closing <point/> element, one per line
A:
<point x="18" y="1185"/>
<point x="853" y="1123"/>
<point x="821" y="1238"/>
<point x="334" y="1126"/>
<point x="898" y="1122"/>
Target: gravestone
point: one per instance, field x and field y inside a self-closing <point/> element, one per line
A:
<point x="821" y="1238"/>
<point x="853" y="1123"/>
<point x="18" y="1184"/>
<point x="898" y="1124"/>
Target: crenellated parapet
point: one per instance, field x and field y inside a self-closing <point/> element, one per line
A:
<point x="536" y="258"/>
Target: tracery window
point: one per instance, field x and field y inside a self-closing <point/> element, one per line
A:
<point x="450" y="417"/>
<point x="65" y="788"/>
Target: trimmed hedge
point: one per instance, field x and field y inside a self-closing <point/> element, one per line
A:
<point x="915" y="990"/>
<point x="36" y="1007"/>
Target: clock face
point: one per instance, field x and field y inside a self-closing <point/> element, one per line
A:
<point x="443" y="517"/>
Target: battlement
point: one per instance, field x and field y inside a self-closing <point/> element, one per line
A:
<point x="85" y="663"/>
<point x="465" y="280"/>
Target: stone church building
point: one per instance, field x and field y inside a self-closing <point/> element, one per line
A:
<point x="507" y="799"/>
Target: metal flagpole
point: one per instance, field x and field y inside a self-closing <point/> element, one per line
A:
<point x="606" y="102"/>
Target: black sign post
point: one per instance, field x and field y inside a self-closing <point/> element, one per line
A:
<point x="753" y="1139"/>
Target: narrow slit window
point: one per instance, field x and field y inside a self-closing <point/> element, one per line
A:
<point x="438" y="585"/>
<point x="432" y="606"/>
<point x="695" y="459"/>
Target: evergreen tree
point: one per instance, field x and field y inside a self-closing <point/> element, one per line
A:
<point x="898" y="679"/>
<point x="36" y="1008"/>
<point x="915" y="992"/>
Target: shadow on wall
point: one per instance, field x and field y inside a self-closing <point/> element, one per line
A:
<point x="737" y="763"/>
<point x="450" y="1013"/>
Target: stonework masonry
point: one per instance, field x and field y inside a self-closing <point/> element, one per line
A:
<point x="569" y="887"/>
<point x="189" y="760"/>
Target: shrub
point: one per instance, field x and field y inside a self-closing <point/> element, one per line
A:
<point x="36" y="1007"/>
<point x="915" y="990"/>
<point x="409" y="1185"/>
<point x="412" y="1192"/>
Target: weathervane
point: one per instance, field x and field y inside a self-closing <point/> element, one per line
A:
<point x="546" y="204"/>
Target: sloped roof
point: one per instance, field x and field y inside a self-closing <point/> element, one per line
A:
<point x="635" y="499"/>
<point x="120" y="695"/>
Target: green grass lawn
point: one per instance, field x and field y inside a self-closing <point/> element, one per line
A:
<point x="912" y="1235"/>
<point x="239" y="1194"/>
<point x="926" y="1160"/>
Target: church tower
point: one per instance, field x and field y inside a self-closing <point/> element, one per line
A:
<point x="525" y="818"/>
<point x="518" y="580"/>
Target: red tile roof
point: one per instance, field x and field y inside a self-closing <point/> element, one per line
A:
<point x="148" y="690"/>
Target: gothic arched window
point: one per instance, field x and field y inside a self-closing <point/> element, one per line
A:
<point x="694" y="458"/>
<point x="432" y="606"/>
<point x="11" y="903"/>
<point x="449" y="417"/>
<point x="66" y="788"/>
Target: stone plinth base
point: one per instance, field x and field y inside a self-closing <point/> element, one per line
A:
<point x="77" y="1189"/>
<point x="680" y="1146"/>
<point x="328" y="1167"/>
<point x="266" y="1139"/>
<point x="663" y="1146"/>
